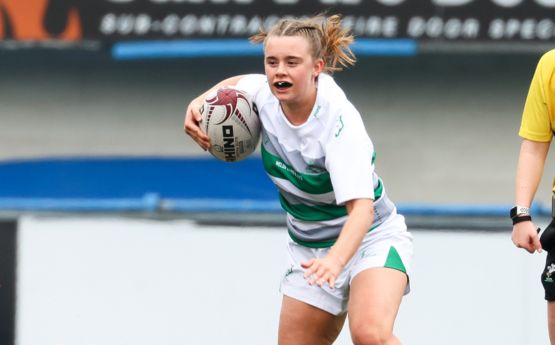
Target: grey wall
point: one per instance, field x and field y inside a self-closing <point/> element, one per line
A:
<point x="444" y="126"/>
<point x="115" y="281"/>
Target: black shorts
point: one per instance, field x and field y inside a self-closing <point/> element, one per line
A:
<point x="548" y="275"/>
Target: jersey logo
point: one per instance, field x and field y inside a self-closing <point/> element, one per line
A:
<point x="339" y="126"/>
<point x="315" y="114"/>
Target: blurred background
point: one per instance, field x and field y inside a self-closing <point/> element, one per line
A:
<point x="117" y="229"/>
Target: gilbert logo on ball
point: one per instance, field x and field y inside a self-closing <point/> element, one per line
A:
<point x="230" y="119"/>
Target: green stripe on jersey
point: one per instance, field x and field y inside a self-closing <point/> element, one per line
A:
<point x="320" y="244"/>
<point x="312" y="213"/>
<point x="378" y="190"/>
<point x="309" y="183"/>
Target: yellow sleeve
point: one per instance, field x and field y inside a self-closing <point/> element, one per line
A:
<point x="536" y="119"/>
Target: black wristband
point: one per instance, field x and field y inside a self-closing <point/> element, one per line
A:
<point x="519" y="219"/>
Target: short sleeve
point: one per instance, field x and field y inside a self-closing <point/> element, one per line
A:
<point x="349" y="155"/>
<point x="536" y="119"/>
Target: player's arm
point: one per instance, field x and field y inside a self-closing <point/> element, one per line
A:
<point x="359" y="221"/>
<point x="193" y="116"/>
<point x="529" y="172"/>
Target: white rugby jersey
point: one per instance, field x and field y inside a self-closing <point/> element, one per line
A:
<point x="320" y="164"/>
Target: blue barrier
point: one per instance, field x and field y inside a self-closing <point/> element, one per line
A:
<point x="450" y="210"/>
<point x="166" y="184"/>
<point x="97" y="178"/>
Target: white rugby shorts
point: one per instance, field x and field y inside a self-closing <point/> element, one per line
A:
<point x="388" y="245"/>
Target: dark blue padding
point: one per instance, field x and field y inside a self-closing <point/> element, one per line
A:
<point x="133" y="177"/>
<point x="174" y="184"/>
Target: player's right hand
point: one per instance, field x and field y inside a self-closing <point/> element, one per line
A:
<point x="525" y="235"/>
<point x="191" y="124"/>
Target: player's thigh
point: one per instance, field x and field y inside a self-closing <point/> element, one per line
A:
<point x="301" y="324"/>
<point x="375" y="297"/>
<point x="551" y="320"/>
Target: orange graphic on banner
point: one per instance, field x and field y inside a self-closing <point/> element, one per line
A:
<point x="24" y="20"/>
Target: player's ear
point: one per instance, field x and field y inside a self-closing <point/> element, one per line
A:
<point x="318" y="67"/>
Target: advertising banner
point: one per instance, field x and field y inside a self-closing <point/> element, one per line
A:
<point x="38" y="20"/>
<point x="443" y="21"/>
<point x="452" y="20"/>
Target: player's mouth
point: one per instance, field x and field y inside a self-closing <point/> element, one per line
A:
<point x="282" y="85"/>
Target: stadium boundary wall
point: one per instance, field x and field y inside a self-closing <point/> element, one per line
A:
<point x="115" y="281"/>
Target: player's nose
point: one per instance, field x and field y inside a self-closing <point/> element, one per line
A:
<point x="280" y="70"/>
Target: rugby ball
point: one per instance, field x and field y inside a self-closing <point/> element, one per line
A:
<point x="230" y="119"/>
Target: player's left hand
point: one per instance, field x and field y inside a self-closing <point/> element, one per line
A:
<point x="191" y="125"/>
<point x="322" y="270"/>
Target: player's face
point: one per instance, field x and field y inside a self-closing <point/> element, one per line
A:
<point x="290" y="68"/>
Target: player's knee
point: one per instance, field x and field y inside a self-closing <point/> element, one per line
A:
<point x="370" y="335"/>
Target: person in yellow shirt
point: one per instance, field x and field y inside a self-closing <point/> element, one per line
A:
<point x="536" y="131"/>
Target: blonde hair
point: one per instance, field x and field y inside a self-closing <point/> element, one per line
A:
<point x="328" y="40"/>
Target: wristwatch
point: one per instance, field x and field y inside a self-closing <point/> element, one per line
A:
<point x="519" y="211"/>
